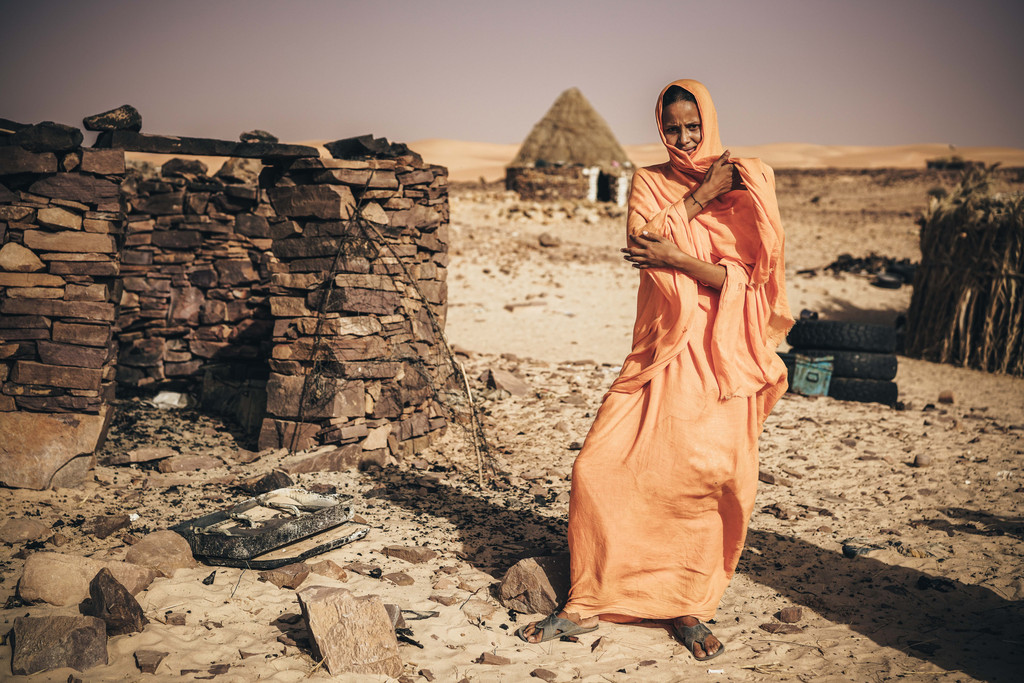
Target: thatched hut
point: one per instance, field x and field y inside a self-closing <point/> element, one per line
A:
<point x="571" y="153"/>
<point x="968" y="302"/>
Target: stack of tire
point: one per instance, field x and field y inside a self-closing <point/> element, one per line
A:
<point x="863" y="362"/>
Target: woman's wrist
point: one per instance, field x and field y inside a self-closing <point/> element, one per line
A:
<point x="700" y="199"/>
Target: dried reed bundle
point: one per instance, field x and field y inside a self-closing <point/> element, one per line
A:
<point x="968" y="304"/>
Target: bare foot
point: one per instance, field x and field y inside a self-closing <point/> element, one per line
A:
<point x="711" y="644"/>
<point x="533" y="634"/>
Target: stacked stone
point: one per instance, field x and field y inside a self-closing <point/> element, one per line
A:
<point x="191" y="273"/>
<point x="553" y="182"/>
<point x="61" y="219"/>
<point x="360" y="250"/>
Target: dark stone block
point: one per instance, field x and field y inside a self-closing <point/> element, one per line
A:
<point x="252" y="226"/>
<point x="164" y="204"/>
<point x="356" y="300"/>
<point x="48" y="136"/>
<point x="18" y="160"/>
<point x="314" y="201"/>
<point x="183" y="168"/>
<point x="204" y="277"/>
<point x="54" y="642"/>
<point x="257" y="136"/>
<point x="114" y="604"/>
<point x="162" y="144"/>
<point x="69" y="354"/>
<point x="125" y="117"/>
<point x="177" y="239"/>
<point x="76" y="187"/>
<point x="367" y="146"/>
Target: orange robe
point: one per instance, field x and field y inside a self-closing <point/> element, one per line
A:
<point x="665" y="483"/>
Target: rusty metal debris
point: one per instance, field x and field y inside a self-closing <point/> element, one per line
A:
<point x="237" y="536"/>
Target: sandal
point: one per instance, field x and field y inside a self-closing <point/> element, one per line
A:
<point x="553" y="626"/>
<point x="696" y="634"/>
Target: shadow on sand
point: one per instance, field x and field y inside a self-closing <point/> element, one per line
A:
<point x="956" y="626"/>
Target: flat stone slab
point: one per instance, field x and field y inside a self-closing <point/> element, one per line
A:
<point x="55" y="642"/>
<point x="57" y="439"/>
<point x="167" y="144"/>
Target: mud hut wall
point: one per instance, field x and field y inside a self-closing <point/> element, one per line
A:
<point x="356" y="359"/>
<point x="193" y="303"/>
<point x="61" y="224"/>
<point x="552" y="182"/>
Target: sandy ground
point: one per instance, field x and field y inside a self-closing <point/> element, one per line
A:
<point x="941" y="600"/>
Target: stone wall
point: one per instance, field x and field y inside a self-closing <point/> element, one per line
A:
<point x="367" y="374"/>
<point x="304" y="295"/>
<point x="585" y="183"/>
<point x="61" y="227"/>
<point x="224" y="278"/>
<point x="195" y="267"/>
<point x="552" y="182"/>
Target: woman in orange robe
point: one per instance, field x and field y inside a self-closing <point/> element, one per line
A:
<point x="665" y="483"/>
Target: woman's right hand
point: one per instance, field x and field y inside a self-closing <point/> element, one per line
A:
<point x="717" y="181"/>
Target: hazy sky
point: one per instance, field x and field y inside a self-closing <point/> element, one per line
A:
<point x="865" y="72"/>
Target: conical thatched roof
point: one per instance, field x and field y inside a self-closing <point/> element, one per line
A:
<point x="572" y="132"/>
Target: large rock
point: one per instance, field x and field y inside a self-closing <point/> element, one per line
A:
<point x="111" y="602"/>
<point x="48" y="136"/>
<point x="536" y="585"/>
<point x="55" y="642"/>
<point x="351" y="634"/>
<point x="21" y="529"/>
<point x="163" y="551"/>
<point x="64" y="579"/>
<point x="125" y="117"/>
<point x="59" y="452"/>
<point x="17" y="259"/>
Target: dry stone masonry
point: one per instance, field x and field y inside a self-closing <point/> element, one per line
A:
<point x="303" y="295"/>
<point x="61" y="227"/>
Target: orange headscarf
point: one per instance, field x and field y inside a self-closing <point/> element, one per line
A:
<point x="740" y="230"/>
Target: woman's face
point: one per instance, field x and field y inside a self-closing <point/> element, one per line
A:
<point x="680" y="123"/>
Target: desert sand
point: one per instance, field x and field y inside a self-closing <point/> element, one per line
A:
<point x="939" y="600"/>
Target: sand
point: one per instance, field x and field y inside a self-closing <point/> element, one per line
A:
<point x="941" y="600"/>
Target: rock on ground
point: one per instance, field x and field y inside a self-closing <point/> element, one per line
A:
<point x="60" y="452"/>
<point x="64" y="579"/>
<point x="54" y="642"/>
<point x="410" y="554"/>
<point x="164" y="551"/>
<point x="351" y="634"/>
<point x="111" y="602"/>
<point x="536" y="585"/>
<point x="22" y="529"/>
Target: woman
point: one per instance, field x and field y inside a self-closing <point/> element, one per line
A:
<point x="664" y="486"/>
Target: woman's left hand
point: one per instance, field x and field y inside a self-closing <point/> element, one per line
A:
<point x="652" y="251"/>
